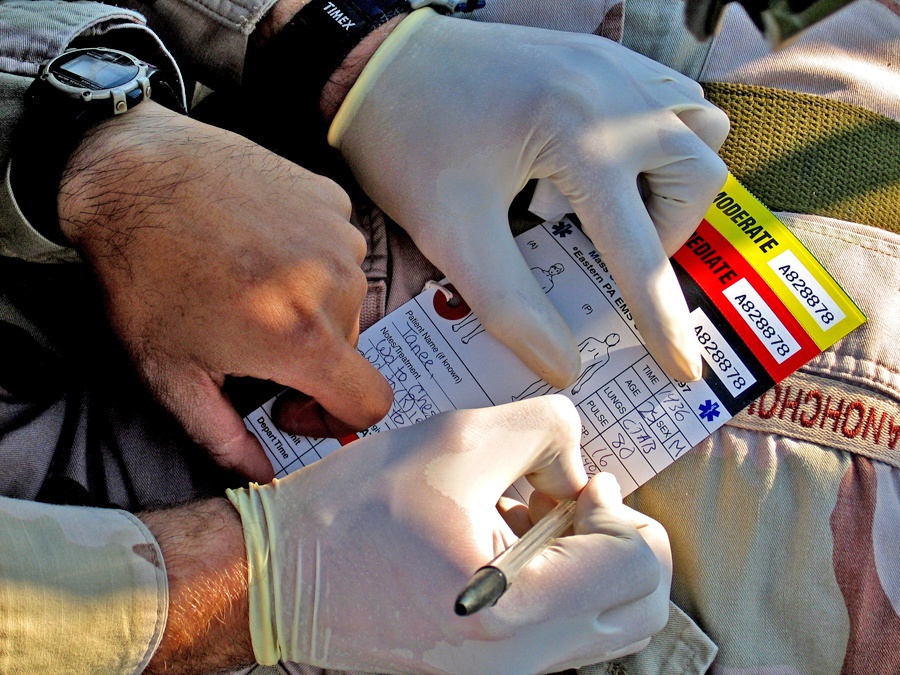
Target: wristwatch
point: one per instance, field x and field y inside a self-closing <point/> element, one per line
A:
<point x="321" y="35"/>
<point x="71" y="93"/>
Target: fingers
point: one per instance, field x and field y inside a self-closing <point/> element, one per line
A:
<point x="208" y="417"/>
<point x="676" y="207"/>
<point x="298" y="413"/>
<point x="537" y="438"/>
<point x="682" y="182"/>
<point x="606" y="565"/>
<point x="681" y="174"/>
<point x="488" y="269"/>
<point x="349" y="390"/>
<point x="337" y="390"/>
<point x="710" y="123"/>
<point x="554" y="465"/>
<point x="605" y="535"/>
<point x="539" y="505"/>
<point x="685" y="98"/>
<point x="621" y="229"/>
<point x="516" y="514"/>
<point x="680" y="166"/>
<point x="600" y="510"/>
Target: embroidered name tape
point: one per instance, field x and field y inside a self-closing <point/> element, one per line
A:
<point x="828" y="413"/>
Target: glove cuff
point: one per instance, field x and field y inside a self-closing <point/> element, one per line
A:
<point x="251" y="505"/>
<point x="380" y="60"/>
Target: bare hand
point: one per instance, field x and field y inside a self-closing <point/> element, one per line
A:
<point x="218" y="257"/>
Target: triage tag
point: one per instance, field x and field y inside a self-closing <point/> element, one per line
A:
<point x="761" y="306"/>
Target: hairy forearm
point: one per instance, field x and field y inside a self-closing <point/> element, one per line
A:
<point x="122" y="168"/>
<point x="203" y="548"/>
<point x="141" y="171"/>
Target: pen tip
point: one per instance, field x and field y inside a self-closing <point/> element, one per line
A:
<point x="483" y="590"/>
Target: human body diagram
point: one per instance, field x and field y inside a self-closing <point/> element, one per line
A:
<point x="594" y="355"/>
<point x="472" y="325"/>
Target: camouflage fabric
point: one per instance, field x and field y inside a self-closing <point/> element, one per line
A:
<point x="75" y="582"/>
<point x="784" y="524"/>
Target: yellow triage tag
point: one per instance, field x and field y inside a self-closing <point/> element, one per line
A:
<point x="811" y="294"/>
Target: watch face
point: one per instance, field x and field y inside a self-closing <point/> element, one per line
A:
<point x="95" y="69"/>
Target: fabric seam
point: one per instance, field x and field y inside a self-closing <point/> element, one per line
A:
<point x="162" y="579"/>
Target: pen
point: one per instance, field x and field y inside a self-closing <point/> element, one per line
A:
<point x="491" y="581"/>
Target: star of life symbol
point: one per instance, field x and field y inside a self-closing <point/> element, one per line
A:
<point x="562" y="229"/>
<point x="709" y="410"/>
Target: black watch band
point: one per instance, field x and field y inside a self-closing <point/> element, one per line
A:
<point x="56" y="119"/>
<point x="324" y="32"/>
<point x="321" y="35"/>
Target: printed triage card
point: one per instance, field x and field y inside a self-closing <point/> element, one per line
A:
<point x="761" y="306"/>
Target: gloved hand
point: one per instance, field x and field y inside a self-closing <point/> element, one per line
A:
<point x="450" y="119"/>
<point x="355" y="562"/>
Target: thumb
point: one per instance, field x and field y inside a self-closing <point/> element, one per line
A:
<point x="349" y="393"/>
<point x="195" y="398"/>
<point x="485" y="265"/>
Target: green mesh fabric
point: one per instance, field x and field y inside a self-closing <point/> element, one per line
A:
<point x="808" y="154"/>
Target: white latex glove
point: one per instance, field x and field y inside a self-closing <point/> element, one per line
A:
<point x="356" y="561"/>
<point x="451" y="118"/>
